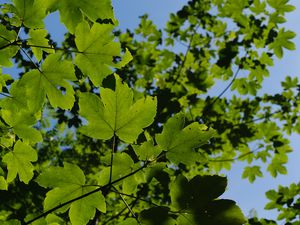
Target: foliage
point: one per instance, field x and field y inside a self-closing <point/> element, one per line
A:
<point x="113" y="127"/>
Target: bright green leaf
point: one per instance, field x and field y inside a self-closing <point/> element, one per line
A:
<point x="3" y="78"/>
<point x="54" y="75"/>
<point x="7" y="50"/>
<point x="38" y="38"/>
<point x="3" y="183"/>
<point x="72" y="12"/>
<point x="69" y="183"/>
<point x="180" y="141"/>
<point x="283" y="41"/>
<point x="122" y="165"/>
<point x="147" y="151"/>
<point x="28" y="12"/>
<point x="251" y="172"/>
<point x="19" y="162"/>
<point x="97" y="50"/>
<point x="21" y="123"/>
<point x="106" y="116"/>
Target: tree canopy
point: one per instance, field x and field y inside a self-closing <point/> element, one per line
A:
<point x="117" y="127"/>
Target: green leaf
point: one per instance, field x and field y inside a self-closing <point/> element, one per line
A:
<point x="258" y="7"/>
<point x="283" y="41"/>
<point x="277" y="165"/>
<point x="156" y="215"/>
<point x="97" y="50"/>
<point x="69" y="183"/>
<point x="106" y="116"/>
<point x="129" y="221"/>
<point x="289" y="82"/>
<point x="54" y="75"/>
<point x="21" y="123"/>
<point x="7" y="50"/>
<point x="28" y="12"/>
<point x="52" y="219"/>
<point x="38" y="38"/>
<point x="19" y="162"/>
<point x="11" y="222"/>
<point x="3" y="183"/>
<point x="21" y="100"/>
<point x="251" y="172"/>
<point x="72" y="12"/>
<point x="223" y="212"/>
<point x="147" y="151"/>
<point x="122" y="165"/>
<point x="180" y="141"/>
<point x="196" y="193"/>
<point x="280" y="6"/>
<point x="3" y="79"/>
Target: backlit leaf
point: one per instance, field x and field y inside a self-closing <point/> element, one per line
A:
<point x="28" y="12"/>
<point x="21" y="123"/>
<point x="106" y="115"/>
<point x="180" y="141"/>
<point x="19" y="162"/>
<point x="69" y="183"/>
<point x="7" y="50"/>
<point x="52" y="80"/>
<point x="73" y="11"/>
<point x="96" y="51"/>
<point x="38" y="38"/>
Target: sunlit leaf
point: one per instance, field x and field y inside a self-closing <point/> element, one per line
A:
<point x="69" y="183"/>
<point x="180" y="141"/>
<point x="106" y="115"/>
<point x="19" y="162"/>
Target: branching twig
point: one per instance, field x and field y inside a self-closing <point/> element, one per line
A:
<point x="185" y="56"/>
<point x="135" y="197"/>
<point x="128" y="207"/>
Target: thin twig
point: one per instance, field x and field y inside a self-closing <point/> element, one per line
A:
<point x="35" y="65"/>
<point x="6" y="95"/>
<point x="19" y="31"/>
<point x="236" y="158"/>
<point x="128" y="207"/>
<point x="185" y="56"/>
<point x="136" y="197"/>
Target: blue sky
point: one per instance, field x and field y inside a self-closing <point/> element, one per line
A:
<point x="248" y="196"/>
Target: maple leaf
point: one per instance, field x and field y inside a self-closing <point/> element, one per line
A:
<point x="19" y="162"/>
<point x="115" y="113"/>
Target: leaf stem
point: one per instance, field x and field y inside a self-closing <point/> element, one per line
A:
<point x="112" y="158"/>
